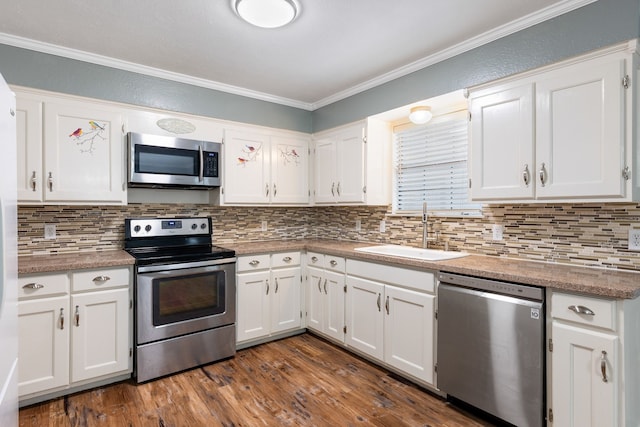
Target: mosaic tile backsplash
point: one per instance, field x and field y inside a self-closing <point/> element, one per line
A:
<point x="583" y="234"/>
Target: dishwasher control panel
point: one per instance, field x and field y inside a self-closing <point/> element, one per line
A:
<point x="495" y="286"/>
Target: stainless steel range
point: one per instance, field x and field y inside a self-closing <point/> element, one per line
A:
<point x="185" y="295"/>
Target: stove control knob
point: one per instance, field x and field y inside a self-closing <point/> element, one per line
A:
<point x="147" y="228"/>
<point x="194" y="226"/>
<point x="137" y="228"/>
<point x="203" y="225"/>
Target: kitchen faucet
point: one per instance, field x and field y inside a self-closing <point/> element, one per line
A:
<point x="424" y="225"/>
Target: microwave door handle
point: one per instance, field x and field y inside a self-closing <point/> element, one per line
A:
<point x="201" y="172"/>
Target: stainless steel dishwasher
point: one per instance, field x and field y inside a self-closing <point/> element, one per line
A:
<point x="491" y="347"/>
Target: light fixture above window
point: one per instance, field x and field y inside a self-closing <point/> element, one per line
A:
<point x="267" y="13"/>
<point x="420" y="115"/>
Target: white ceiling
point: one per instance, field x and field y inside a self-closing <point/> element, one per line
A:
<point x="334" y="49"/>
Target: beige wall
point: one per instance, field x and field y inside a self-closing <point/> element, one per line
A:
<point x="582" y="234"/>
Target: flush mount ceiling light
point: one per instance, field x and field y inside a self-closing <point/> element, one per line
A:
<point x="267" y="13"/>
<point x="420" y="115"/>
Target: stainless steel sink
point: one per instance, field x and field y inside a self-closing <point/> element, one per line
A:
<point x="411" y="252"/>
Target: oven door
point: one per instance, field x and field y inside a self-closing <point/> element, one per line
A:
<point x="171" y="303"/>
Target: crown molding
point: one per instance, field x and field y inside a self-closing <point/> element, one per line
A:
<point x="472" y="43"/>
<point x="489" y="36"/>
<point x="107" y="61"/>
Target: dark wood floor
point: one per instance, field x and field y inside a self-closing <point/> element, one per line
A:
<point x="298" y="381"/>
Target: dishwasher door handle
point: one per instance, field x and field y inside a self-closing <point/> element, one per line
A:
<point x="581" y="309"/>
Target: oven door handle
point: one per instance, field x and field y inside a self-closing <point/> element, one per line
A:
<point x="181" y="266"/>
<point x="165" y="274"/>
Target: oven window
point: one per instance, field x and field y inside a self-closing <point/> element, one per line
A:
<point x="188" y="297"/>
<point x="163" y="160"/>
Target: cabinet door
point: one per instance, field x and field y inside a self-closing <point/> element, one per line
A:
<point x="100" y="336"/>
<point x="43" y="344"/>
<point x="253" y="305"/>
<point x="409" y="332"/>
<point x="365" y="317"/>
<point x="315" y="298"/>
<point x="580" y="131"/>
<point x="333" y="317"/>
<point x="289" y="170"/>
<point x="285" y="299"/>
<point x="29" y="135"/>
<point x="581" y="397"/>
<point x="350" y="165"/>
<point x="246" y="167"/>
<point x="502" y="163"/>
<point x="83" y="154"/>
<point x="325" y="171"/>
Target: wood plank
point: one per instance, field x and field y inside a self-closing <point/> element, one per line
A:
<point x="298" y="381"/>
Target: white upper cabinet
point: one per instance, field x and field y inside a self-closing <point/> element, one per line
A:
<point x="265" y="168"/>
<point x="562" y="133"/>
<point x="502" y="144"/>
<point x="70" y="151"/>
<point x="352" y="164"/>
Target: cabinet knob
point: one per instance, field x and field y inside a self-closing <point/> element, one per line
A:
<point x="526" y="175"/>
<point x="287" y="259"/>
<point x="543" y="174"/>
<point x="333" y="262"/>
<point x="254" y="262"/>
<point x="314" y="259"/>
<point x="33" y="286"/>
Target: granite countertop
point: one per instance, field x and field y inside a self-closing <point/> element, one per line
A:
<point x="595" y="281"/>
<point x="30" y="264"/>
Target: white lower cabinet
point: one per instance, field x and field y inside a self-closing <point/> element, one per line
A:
<point x="269" y="295"/>
<point x="593" y="361"/>
<point x="326" y="295"/>
<point x="390" y="314"/>
<point x="74" y="328"/>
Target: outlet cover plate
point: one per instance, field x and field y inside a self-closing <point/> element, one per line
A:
<point x="634" y="238"/>
<point x="49" y="231"/>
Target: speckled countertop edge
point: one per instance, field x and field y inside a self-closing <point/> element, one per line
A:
<point x="32" y="264"/>
<point x="593" y="281"/>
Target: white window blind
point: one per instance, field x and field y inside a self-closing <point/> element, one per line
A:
<point x="431" y="166"/>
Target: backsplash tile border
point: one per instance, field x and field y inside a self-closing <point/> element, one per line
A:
<point x="592" y="235"/>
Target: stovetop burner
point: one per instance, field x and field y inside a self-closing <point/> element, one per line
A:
<point x="171" y="240"/>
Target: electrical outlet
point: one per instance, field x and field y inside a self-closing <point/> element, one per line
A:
<point x="264" y="225"/>
<point x="498" y="231"/>
<point x="358" y="225"/>
<point x="49" y="231"/>
<point x="634" y="238"/>
<point x="383" y="226"/>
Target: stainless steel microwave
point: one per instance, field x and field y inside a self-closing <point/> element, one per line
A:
<point x="164" y="161"/>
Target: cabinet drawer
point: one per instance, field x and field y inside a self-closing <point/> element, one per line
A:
<point x="604" y="310"/>
<point x="334" y="263"/>
<point x="41" y="285"/>
<point x="87" y="280"/>
<point x="253" y="262"/>
<point x="285" y="259"/>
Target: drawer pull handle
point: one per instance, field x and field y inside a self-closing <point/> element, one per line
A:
<point x="287" y="259"/>
<point x="581" y="309"/>
<point x="101" y="278"/>
<point x="333" y="263"/>
<point x="33" y="286"/>
<point x="254" y="262"/>
<point x="603" y="366"/>
<point x="314" y="259"/>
